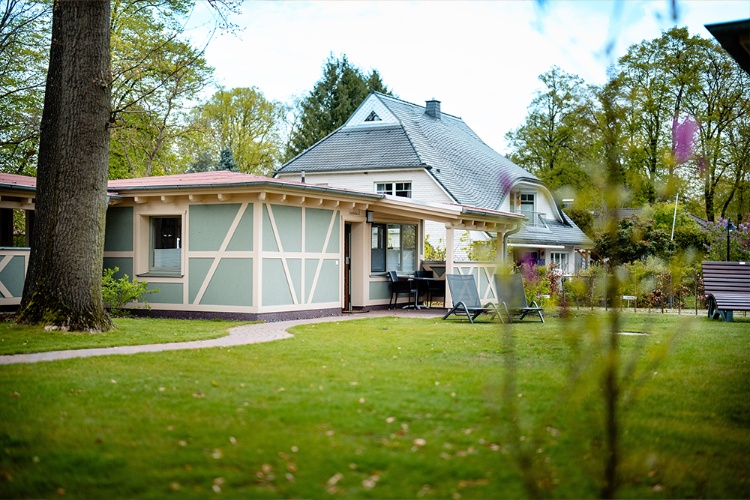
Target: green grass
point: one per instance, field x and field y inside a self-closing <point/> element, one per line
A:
<point x="20" y="339"/>
<point x="388" y="408"/>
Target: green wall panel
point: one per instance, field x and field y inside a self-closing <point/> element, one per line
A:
<point x="243" y="236"/>
<point x="118" y="235"/>
<point x="232" y="284"/>
<point x="209" y="225"/>
<point x="13" y="275"/>
<point x="380" y="290"/>
<point x="289" y="224"/>
<point x="169" y="293"/>
<point x="333" y="244"/>
<point x="316" y="229"/>
<point x="198" y="269"/>
<point x="276" y="290"/>
<point x="123" y="264"/>
<point x="327" y="289"/>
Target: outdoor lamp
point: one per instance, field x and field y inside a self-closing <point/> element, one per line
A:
<point x="730" y="227"/>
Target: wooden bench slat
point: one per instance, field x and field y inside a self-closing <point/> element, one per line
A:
<point x="727" y="284"/>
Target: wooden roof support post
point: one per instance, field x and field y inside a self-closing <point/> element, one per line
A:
<point x="448" y="261"/>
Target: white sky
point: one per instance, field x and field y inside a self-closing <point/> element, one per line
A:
<point x="481" y="59"/>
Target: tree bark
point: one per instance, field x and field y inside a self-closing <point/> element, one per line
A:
<point x="63" y="286"/>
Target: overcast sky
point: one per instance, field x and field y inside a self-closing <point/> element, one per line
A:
<point x="481" y="59"/>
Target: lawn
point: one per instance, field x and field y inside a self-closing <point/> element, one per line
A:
<point x="390" y="408"/>
<point x="17" y="339"/>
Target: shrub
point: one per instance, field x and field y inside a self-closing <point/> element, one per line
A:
<point x="118" y="292"/>
<point x="739" y="241"/>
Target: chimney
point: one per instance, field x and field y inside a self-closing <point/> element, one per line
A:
<point x="432" y="108"/>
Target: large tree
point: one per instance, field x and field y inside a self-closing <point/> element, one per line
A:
<point x="334" y="98"/>
<point x="156" y="76"/>
<point x="242" y="122"/>
<point x="554" y="142"/>
<point x="63" y="286"/>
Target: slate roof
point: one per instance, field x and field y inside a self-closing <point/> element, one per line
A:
<point x="556" y="233"/>
<point x="472" y="172"/>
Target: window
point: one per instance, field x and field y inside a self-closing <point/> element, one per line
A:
<point x="526" y="205"/>
<point x="394" y="188"/>
<point x="561" y="259"/>
<point x="373" y="117"/>
<point x="394" y="248"/>
<point x="166" y="244"/>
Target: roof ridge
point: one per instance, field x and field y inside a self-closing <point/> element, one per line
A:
<point x="394" y="98"/>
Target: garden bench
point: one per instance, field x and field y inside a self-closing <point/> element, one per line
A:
<point x="727" y="288"/>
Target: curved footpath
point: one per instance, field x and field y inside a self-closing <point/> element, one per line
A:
<point x="239" y="335"/>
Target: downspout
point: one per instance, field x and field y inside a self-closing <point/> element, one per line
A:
<point x="505" y="241"/>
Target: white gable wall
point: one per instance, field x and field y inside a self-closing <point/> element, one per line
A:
<point x="543" y="200"/>
<point x="371" y="104"/>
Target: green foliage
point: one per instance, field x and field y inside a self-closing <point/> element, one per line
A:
<point x="582" y="218"/>
<point x="117" y="293"/>
<point x="635" y="239"/>
<point x="434" y="253"/>
<point x="534" y="281"/>
<point x="24" y="49"/>
<point x="674" y="117"/>
<point x="739" y="241"/>
<point x="555" y="141"/>
<point x="331" y="102"/>
<point x="241" y="129"/>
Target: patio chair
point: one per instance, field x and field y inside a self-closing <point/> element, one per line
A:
<point x="511" y="294"/>
<point x="400" y="287"/>
<point x="466" y="300"/>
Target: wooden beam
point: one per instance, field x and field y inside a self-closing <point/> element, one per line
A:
<point x="223" y="197"/>
<point x="195" y="197"/>
<point x="140" y="199"/>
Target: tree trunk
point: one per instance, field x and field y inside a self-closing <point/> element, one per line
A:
<point x="64" y="280"/>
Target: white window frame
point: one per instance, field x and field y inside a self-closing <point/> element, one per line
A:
<point x="387" y="239"/>
<point x="562" y="259"/>
<point x="394" y="188"/>
<point x="154" y="266"/>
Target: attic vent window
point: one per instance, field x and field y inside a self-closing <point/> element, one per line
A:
<point x="373" y="117"/>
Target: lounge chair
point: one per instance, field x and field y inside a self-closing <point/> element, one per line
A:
<point x="511" y="294"/>
<point x="465" y="298"/>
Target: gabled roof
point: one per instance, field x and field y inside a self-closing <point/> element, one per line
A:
<point x="442" y="144"/>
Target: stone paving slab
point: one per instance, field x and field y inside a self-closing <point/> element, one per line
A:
<point x="239" y="335"/>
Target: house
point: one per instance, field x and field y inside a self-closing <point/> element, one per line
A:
<point x="235" y="245"/>
<point x="403" y="150"/>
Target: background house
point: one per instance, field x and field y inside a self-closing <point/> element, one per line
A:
<point x="400" y="149"/>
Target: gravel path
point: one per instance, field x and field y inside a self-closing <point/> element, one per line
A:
<point x="240" y="335"/>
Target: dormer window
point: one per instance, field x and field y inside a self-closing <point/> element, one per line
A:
<point x="373" y="117"/>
